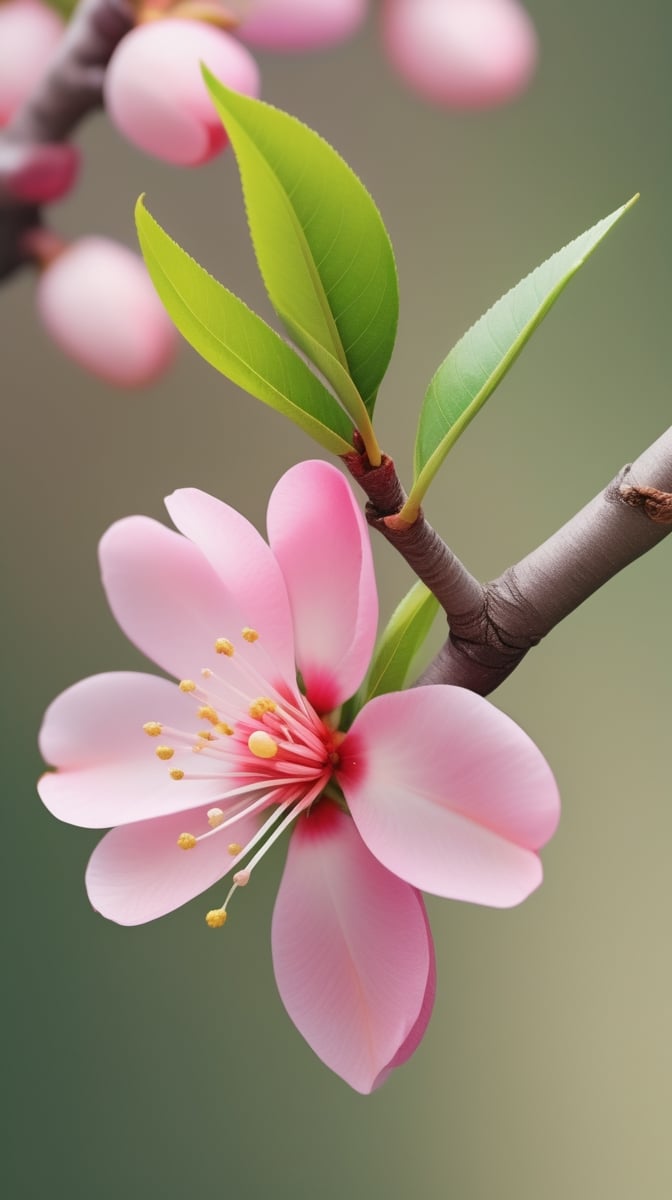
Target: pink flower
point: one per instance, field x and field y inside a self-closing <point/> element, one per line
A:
<point x="154" y="89"/>
<point x="300" y="24"/>
<point x="97" y="302"/>
<point x="29" y="33"/>
<point x="465" y="53"/>
<point x="443" y="791"/>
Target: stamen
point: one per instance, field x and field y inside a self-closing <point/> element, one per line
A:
<point x="152" y="728"/>
<point x="216" y="918"/>
<point x="186" y="841"/>
<point x="262" y="744"/>
<point x="206" y="735"/>
<point x="224" y="646"/>
<point x="234" y="849"/>
<point x="207" y="713"/>
<point x="164" y="752"/>
<point x="263" y="705"/>
<point x="241" y="878"/>
<point x="206" y="672"/>
<point x="187" y="685"/>
<point x="222" y="727"/>
<point x="250" y="635"/>
<point x="176" y="773"/>
<point x="215" y="817"/>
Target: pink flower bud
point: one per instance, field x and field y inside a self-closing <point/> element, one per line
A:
<point x="155" y="94"/>
<point x="39" y="174"/>
<point x="466" y="53"/>
<point x="300" y="24"/>
<point x="97" y="302"/>
<point x="29" y="33"/>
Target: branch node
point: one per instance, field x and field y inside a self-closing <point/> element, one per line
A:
<point x="398" y="524"/>
<point x="654" y="504"/>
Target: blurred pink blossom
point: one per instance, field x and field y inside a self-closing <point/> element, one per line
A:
<point x="97" y="302"/>
<point x="300" y="24"/>
<point x="443" y="791"/>
<point x="465" y="53"/>
<point x="155" y="94"/>
<point x="39" y="174"/>
<point x="29" y="34"/>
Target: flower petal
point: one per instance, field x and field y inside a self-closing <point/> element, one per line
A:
<point x="248" y="571"/>
<point x="165" y="595"/>
<point x="418" y="1031"/>
<point x="351" y="950"/>
<point x="138" y="872"/>
<point x="321" y="541"/>
<point x="109" y="773"/>
<point x="450" y="794"/>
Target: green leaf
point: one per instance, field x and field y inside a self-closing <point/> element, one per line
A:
<point x="399" y="642"/>
<point x="227" y="334"/>
<point x="321" y="245"/>
<point x="474" y="367"/>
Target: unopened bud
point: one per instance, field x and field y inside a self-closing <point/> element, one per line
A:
<point x="99" y="305"/>
<point x="155" y="94"/>
<point x="461" y="53"/>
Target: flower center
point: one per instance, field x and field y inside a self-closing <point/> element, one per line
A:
<point x="266" y="744"/>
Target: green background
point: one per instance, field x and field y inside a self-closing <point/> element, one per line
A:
<point x="158" y="1062"/>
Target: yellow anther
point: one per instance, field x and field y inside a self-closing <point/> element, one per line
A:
<point x="186" y="841"/>
<point x="164" y="752"/>
<point x="152" y="728"/>
<point x="197" y="748"/>
<point x="176" y="773"/>
<point x="187" y="685"/>
<point x="222" y="727"/>
<point x="207" y="713"/>
<point x="215" y="817"/>
<point x="250" y="635"/>
<point x="262" y="744"/>
<point x="234" y="849"/>
<point x="206" y="672"/>
<point x="216" y="918"/>
<point x="206" y="735"/>
<point x="224" y="646"/>
<point x="241" y="878"/>
<point x="262" y="705"/>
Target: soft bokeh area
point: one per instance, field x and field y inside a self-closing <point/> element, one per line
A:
<point x="158" y="1061"/>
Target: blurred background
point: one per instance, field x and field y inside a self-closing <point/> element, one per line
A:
<point x="158" y="1061"/>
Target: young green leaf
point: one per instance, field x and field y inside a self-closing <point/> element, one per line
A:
<point x="474" y="367"/>
<point x="227" y="334"/>
<point x="321" y="245"/>
<point x="399" y="642"/>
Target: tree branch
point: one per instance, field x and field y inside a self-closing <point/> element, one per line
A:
<point x="69" y="90"/>
<point x="492" y="626"/>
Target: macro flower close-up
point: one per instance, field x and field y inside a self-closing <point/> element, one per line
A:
<point x="431" y="788"/>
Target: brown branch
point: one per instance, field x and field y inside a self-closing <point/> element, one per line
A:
<point x="492" y="626"/>
<point x="69" y="90"/>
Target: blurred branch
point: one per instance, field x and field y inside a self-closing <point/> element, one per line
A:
<point x="68" y="91"/>
<point x="492" y="626"/>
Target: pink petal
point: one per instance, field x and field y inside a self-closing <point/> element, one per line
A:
<point x="321" y="541"/>
<point x="108" y="771"/>
<point x="450" y="794"/>
<point x="418" y="1031"/>
<point x="351" y="950"/>
<point x="249" y="575"/>
<point x="166" y="597"/>
<point x="138" y="872"/>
